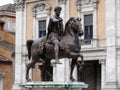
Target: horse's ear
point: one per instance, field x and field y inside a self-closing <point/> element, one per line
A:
<point x="77" y="18"/>
<point x="80" y="19"/>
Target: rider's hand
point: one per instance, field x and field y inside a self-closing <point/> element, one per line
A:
<point x="55" y="20"/>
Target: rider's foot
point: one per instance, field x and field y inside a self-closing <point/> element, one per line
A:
<point x="72" y="79"/>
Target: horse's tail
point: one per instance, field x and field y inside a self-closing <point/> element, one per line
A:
<point x="29" y="44"/>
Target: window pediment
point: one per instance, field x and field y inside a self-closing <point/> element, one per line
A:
<point x="41" y="7"/>
<point x="85" y="2"/>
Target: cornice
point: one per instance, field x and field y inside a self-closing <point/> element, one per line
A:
<point x="29" y="1"/>
<point x="4" y="59"/>
<point x="6" y="45"/>
<point x="61" y="1"/>
<point x="97" y="53"/>
<point x="7" y="13"/>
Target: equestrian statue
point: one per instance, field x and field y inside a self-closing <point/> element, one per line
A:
<point x="57" y="44"/>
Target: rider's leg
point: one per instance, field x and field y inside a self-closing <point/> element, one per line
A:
<point x="56" y="51"/>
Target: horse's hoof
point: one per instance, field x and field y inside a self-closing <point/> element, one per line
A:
<point x="72" y="79"/>
<point x="29" y="80"/>
<point x="50" y="79"/>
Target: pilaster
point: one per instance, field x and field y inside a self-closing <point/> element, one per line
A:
<point x="118" y="21"/>
<point x="103" y="70"/>
<point x="111" y="66"/>
<point x="19" y="45"/>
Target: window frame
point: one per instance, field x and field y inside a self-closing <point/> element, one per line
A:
<point x="38" y="15"/>
<point x="86" y="37"/>
<point x="43" y="29"/>
<point x="89" y="9"/>
<point x="1" y="80"/>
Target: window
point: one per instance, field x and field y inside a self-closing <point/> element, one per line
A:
<point x="1" y="80"/>
<point x="41" y="14"/>
<point x="42" y="28"/>
<point x="88" y="27"/>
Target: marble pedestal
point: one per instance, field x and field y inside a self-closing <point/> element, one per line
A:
<point x="53" y="86"/>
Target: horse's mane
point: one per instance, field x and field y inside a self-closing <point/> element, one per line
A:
<point x="68" y="24"/>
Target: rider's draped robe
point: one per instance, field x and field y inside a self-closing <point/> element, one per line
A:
<point x="55" y="27"/>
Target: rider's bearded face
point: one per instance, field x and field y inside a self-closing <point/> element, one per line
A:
<point x="58" y="12"/>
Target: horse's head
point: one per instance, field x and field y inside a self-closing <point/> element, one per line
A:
<point x="75" y="25"/>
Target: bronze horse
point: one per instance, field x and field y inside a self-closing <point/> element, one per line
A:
<point x="69" y="47"/>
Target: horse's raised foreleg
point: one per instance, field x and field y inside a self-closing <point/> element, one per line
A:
<point x="76" y="55"/>
<point x="73" y="63"/>
<point x="28" y="68"/>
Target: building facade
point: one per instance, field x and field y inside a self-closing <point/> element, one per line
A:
<point x="7" y="45"/>
<point x="100" y="42"/>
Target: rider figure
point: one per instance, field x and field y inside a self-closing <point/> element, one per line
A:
<point x="55" y="31"/>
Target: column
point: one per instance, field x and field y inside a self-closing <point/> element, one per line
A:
<point x="103" y="64"/>
<point x="19" y="45"/>
<point x="118" y="39"/>
<point x="118" y="21"/>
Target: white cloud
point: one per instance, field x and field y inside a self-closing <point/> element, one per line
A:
<point x="3" y="2"/>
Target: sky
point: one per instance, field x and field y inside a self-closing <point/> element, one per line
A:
<point x="3" y="2"/>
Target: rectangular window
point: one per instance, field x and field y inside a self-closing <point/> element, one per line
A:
<point x="42" y="28"/>
<point x="88" y="27"/>
<point x="1" y="85"/>
<point x="1" y="80"/>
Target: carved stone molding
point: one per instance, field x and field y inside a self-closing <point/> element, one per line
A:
<point x="80" y="3"/>
<point x="19" y="4"/>
<point x="62" y="1"/>
<point x="41" y="7"/>
<point x="85" y="2"/>
<point x="102" y="61"/>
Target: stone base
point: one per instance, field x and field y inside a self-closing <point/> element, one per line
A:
<point x="111" y="86"/>
<point x="17" y="87"/>
<point x="53" y="85"/>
